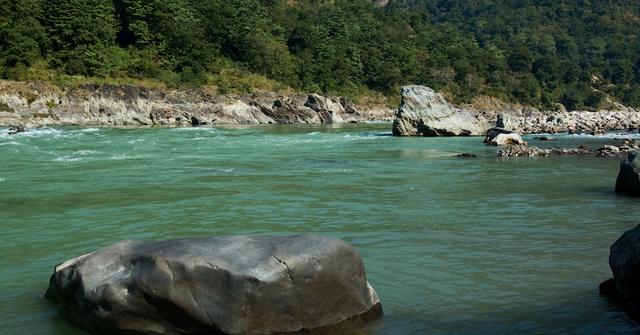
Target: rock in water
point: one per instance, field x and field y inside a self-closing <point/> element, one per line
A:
<point x="628" y="181"/>
<point x="232" y="285"/>
<point x="624" y="261"/>
<point x="499" y="136"/>
<point x="424" y="112"/>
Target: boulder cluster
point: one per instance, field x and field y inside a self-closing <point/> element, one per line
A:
<point x="423" y="112"/>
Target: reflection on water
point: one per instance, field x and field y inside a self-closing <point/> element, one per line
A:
<point x="453" y="246"/>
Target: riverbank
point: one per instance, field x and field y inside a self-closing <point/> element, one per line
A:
<point x="424" y="112"/>
<point x="34" y="104"/>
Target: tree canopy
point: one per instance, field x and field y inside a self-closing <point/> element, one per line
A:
<point x="537" y="52"/>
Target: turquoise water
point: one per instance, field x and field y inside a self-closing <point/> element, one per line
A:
<point x="453" y="246"/>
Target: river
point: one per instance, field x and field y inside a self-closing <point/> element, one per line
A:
<point x="453" y="246"/>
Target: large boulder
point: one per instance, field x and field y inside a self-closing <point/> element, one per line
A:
<point x="624" y="261"/>
<point x="423" y="112"/>
<point x="628" y="181"/>
<point x="328" y="110"/>
<point x="499" y="136"/>
<point x="233" y="285"/>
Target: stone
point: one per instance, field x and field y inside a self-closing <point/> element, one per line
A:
<point x="466" y="155"/>
<point x="624" y="260"/>
<point x="328" y="110"/>
<point x="500" y="137"/>
<point x="628" y="181"/>
<point x="228" y="285"/>
<point x="14" y="130"/>
<point x="348" y="105"/>
<point x="507" y="121"/>
<point x="423" y="112"/>
<point x="531" y="151"/>
<point x="545" y="138"/>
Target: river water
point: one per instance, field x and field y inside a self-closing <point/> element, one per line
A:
<point x="453" y="246"/>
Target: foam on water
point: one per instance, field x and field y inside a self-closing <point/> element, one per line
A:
<point x="67" y="158"/>
<point x="86" y="152"/>
<point x="11" y="143"/>
<point x="42" y="132"/>
<point x="119" y="157"/>
<point x="611" y="135"/>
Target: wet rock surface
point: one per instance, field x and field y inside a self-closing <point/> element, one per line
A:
<point x="628" y="181"/>
<point x="624" y="260"/>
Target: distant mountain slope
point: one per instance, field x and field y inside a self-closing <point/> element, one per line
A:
<point x="537" y="52"/>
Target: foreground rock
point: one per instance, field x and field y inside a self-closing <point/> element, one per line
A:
<point x="234" y="285"/>
<point x="500" y="137"/>
<point x="38" y="104"/>
<point x="624" y="261"/>
<point x="424" y="112"/>
<point x="628" y="181"/>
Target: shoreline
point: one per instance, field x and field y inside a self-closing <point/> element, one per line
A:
<point x="36" y="104"/>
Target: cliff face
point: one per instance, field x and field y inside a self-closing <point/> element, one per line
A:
<point x="36" y="104"/>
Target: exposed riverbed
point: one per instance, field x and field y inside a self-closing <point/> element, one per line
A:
<point x="453" y="246"/>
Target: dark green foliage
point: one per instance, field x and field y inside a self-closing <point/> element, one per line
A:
<point x="538" y="52"/>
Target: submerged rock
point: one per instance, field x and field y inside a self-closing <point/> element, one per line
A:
<point x="608" y="151"/>
<point x="466" y="155"/>
<point x="14" y="130"/>
<point x="544" y="138"/>
<point x="233" y="285"/>
<point x="423" y="112"/>
<point x="624" y="261"/>
<point x="628" y="181"/>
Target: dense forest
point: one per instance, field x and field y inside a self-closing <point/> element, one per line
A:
<point x="537" y="52"/>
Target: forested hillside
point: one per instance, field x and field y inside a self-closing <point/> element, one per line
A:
<point x="537" y="52"/>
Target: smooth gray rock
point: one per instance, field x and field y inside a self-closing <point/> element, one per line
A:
<point x="232" y="285"/>
<point x="624" y="261"/>
<point x="423" y="112"/>
<point x="628" y="181"/>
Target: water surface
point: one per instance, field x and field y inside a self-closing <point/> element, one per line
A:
<point x="453" y="246"/>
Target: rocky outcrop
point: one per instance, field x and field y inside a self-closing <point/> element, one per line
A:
<point x="628" y="181"/>
<point x="14" y="130"/>
<point x="624" y="261"/>
<point x="232" y="285"/>
<point x="424" y="112"/>
<point x="531" y="151"/>
<point x="37" y="104"/>
<point x="501" y="137"/>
